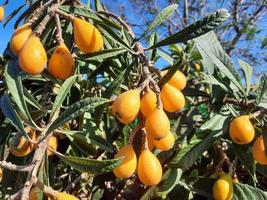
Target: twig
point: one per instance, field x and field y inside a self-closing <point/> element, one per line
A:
<point x="71" y="186"/>
<point x="133" y="133"/>
<point x="59" y="30"/>
<point x="13" y="167"/>
<point x="121" y="21"/>
<point x="66" y="15"/>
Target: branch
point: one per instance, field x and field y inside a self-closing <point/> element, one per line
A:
<point x="13" y="167"/>
<point x="59" y="30"/>
<point x="71" y="186"/>
<point x="185" y="12"/>
<point x="121" y="21"/>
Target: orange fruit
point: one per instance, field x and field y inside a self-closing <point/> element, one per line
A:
<point x="128" y="164"/>
<point x="86" y="36"/>
<point x="166" y="143"/>
<point x="33" y="195"/>
<point x="52" y="145"/>
<point x="258" y="151"/>
<point x="20" y="146"/>
<point x="241" y="130"/>
<point x="19" y="37"/>
<point x="157" y="124"/>
<point x="197" y="66"/>
<point x="61" y="64"/>
<point x="126" y="106"/>
<point x="223" y="188"/>
<point x="65" y="196"/>
<point x="2" y="13"/>
<point x="148" y="103"/>
<point x="32" y="57"/>
<point x="1" y="174"/>
<point x="172" y="99"/>
<point x="178" y="80"/>
<point x="149" y="169"/>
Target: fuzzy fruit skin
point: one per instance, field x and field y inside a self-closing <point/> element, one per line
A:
<point x="258" y="151"/>
<point x="157" y="124"/>
<point x="173" y="99"/>
<point x="149" y="169"/>
<point x="126" y="106"/>
<point x="2" y="13"/>
<point x="61" y="64"/>
<point x="87" y="36"/>
<point x="19" y="37"/>
<point x="148" y="102"/>
<point x="65" y="196"/>
<point x="165" y="143"/>
<point x="20" y="146"/>
<point x="223" y="188"/>
<point x="128" y="164"/>
<point x="52" y="145"/>
<point x="1" y="174"/>
<point x="33" y="195"/>
<point x="178" y="80"/>
<point x="32" y="57"/>
<point x="241" y="130"/>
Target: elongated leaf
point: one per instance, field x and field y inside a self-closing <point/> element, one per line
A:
<point x="213" y="81"/>
<point x="246" y="192"/>
<point x="173" y="176"/>
<point x="90" y="165"/>
<point x="215" y="128"/>
<point x="166" y="57"/>
<point x="262" y="90"/>
<point x="163" y="15"/>
<point x="247" y="70"/>
<point x="31" y="100"/>
<point x="63" y="92"/>
<point x="218" y="57"/>
<point x="89" y="138"/>
<point x="199" y="28"/>
<point x="98" y="5"/>
<point x="78" y="108"/>
<point x="14" y="84"/>
<point x="154" y="38"/>
<point x="14" y="13"/>
<point x="10" y="113"/>
<point x="101" y="55"/>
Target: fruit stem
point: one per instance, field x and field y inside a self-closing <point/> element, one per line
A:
<point x="64" y="14"/>
<point x="47" y="190"/>
<point x="59" y="30"/>
<point x="133" y="133"/>
<point x="145" y="144"/>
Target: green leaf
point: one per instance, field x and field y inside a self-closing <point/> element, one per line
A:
<point x="212" y="51"/>
<point x="199" y="28"/>
<point x="10" y="113"/>
<point x="90" y="165"/>
<point x="98" y="5"/>
<point x="154" y="38"/>
<point x="247" y="70"/>
<point x="14" y="13"/>
<point x="172" y="178"/>
<point x="246" y="192"/>
<point x="163" y="15"/>
<point x="213" y="81"/>
<point x="75" y="110"/>
<point x="188" y="155"/>
<point x="166" y="57"/>
<point x="63" y="92"/>
<point x="14" y="84"/>
<point x="262" y="89"/>
<point x="101" y="55"/>
<point x="89" y="138"/>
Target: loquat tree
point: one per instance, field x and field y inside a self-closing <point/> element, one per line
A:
<point x="87" y="114"/>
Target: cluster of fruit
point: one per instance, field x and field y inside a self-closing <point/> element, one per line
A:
<point x="32" y="56"/>
<point x="126" y="108"/>
<point x="242" y="132"/>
